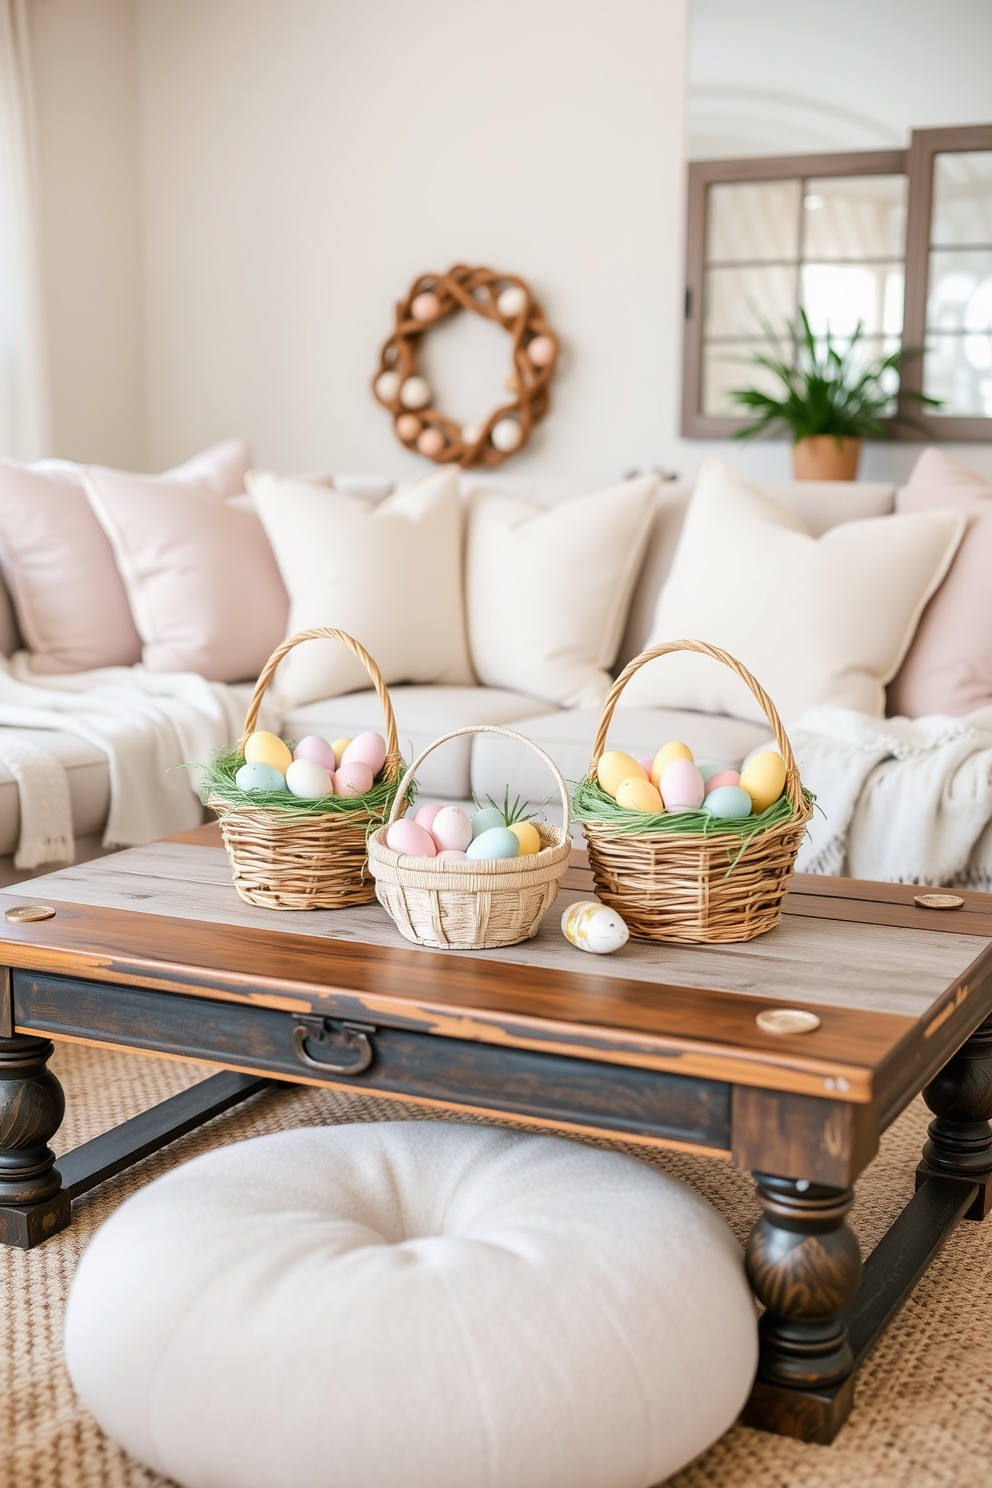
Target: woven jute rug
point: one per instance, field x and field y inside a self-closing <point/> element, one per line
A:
<point x="923" y="1413"/>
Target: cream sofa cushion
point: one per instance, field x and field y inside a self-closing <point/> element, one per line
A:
<point x="548" y="589"/>
<point x="817" y="620"/>
<point x="389" y="572"/>
<point x="419" y="1304"/>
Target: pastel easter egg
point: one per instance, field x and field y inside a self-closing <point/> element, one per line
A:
<point x="708" y="771"/>
<point x="647" y="765"/>
<point x="415" y="393"/>
<point x="387" y="385"/>
<point x="408" y="426"/>
<point x="721" y="778"/>
<point x="366" y="749"/>
<point x="425" y="814"/>
<point x="615" y="766"/>
<point x="430" y="442"/>
<point x="528" y="836"/>
<point x="592" y="927"/>
<point x="506" y="435"/>
<point x="264" y="748"/>
<point x="664" y="757"/>
<point x="353" y="780"/>
<point x="682" y="786"/>
<point x="728" y="801"/>
<point x="636" y="794"/>
<point x="339" y="746"/>
<point x="451" y="829"/>
<point x="486" y="819"/>
<point x="256" y="775"/>
<point x="313" y="747"/>
<point x="425" y="306"/>
<point x="409" y="837"/>
<point x="541" y="351"/>
<point x="308" y="780"/>
<point x="451" y="856"/>
<point x="498" y="842"/>
<point x="763" y="777"/>
<point x="512" y="302"/>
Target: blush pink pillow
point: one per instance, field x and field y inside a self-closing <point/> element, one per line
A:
<point x="204" y="588"/>
<point x="71" y="604"/>
<point x="948" y="668"/>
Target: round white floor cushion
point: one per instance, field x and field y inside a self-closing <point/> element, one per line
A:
<point x="413" y="1305"/>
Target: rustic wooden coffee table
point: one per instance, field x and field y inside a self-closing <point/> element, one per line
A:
<point x="152" y="950"/>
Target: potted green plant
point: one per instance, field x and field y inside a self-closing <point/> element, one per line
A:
<point x="831" y="399"/>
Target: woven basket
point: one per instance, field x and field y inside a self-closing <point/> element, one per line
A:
<point x="287" y="858"/>
<point x="474" y="906"/>
<point x="696" y="887"/>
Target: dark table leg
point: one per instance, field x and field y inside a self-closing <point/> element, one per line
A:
<point x="804" y="1264"/>
<point x="32" y="1204"/>
<point x="960" y="1137"/>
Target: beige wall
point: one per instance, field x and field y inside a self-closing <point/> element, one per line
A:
<point x="303" y="160"/>
<point x="89" y="206"/>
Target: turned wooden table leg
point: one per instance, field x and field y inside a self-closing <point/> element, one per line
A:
<point x="804" y="1264"/>
<point x="960" y="1137"/>
<point x="32" y="1205"/>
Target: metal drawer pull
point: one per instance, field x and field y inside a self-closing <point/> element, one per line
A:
<point x="323" y="1034"/>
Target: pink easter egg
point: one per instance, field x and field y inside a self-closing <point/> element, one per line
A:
<point x="366" y="749"/>
<point x="451" y="830"/>
<point x="425" y="306"/>
<point x="430" y="442"/>
<point x="405" y="836"/>
<point x="451" y="855"/>
<point x="681" y="786"/>
<point x="425" y="814"/>
<point x="313" y="747"/>
<point x="408" y="426"/>
<point x="647" y="765"/>
<point x="541" y="351"/>
<point x="353" y="779"/>
<point x="722" y="777"/>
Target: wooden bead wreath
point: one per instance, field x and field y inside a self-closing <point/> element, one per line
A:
<point x="399" y="387"/>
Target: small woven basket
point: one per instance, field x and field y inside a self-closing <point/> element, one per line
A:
<point x="284" y="857"/>
<point x="697" y="887"/>
<point x="476" y="905"/>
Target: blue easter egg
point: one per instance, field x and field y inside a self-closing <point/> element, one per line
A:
<point x="486" y="819"/>
<point x="256" y="776"/>
<point x="727" y="801"/>
<point x="497" y="842"/>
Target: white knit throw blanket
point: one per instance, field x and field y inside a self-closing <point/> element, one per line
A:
<point x="148" y="724"/>
<point x="899" y="799"/>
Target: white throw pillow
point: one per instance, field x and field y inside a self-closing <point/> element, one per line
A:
<point x="816" y="620"/>
<point x="388" y="572"/>
<point x="548" y="590"/>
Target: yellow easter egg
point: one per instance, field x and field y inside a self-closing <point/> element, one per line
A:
<point x="664" y="757"/>
<point x="638" y="794"/>
<point x="264" y="748"/>
<point x="528" y="836"/>
<point x="764" y="779"/>
<point x="339" y="746"/>
<point x="616" y="766"/>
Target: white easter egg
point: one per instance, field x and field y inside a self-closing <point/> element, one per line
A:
<point x="512" y="301"/>
<point x="506" y="435"/>
<point x="387" y="385"/>
<point x="451" y="829"/>
<point x="593" y="927"/>
<point x="415" y="393"/>
<point x="308" y="780"/>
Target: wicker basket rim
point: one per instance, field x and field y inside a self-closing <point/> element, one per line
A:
<point x="481" y="867"/>
<point x="703" y="839"/>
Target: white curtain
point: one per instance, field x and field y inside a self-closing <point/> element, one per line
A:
<point x="25" y="426"/>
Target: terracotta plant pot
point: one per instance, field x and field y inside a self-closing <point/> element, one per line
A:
<point x="820" y="457"/>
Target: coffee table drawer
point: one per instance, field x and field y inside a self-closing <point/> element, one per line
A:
<point x="395" y="1061"/>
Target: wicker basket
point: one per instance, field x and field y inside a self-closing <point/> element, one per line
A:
<point x="287" y="858"/>
<point x="697" y="887"/>
<point x="474" y="906"/>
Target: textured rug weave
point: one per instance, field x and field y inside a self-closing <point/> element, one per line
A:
<point x="923" y="1411"/>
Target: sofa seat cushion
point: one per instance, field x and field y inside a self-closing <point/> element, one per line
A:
<point x="425" y="1304"/>
<point x="568" y="736"/>
<point x="422" y="714"/>
<point x="89" y="783"/>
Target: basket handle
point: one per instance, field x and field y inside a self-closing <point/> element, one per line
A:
<point x="326" y="633"/>
<point x="792" y="781"/>
<point x="399" y="801"/>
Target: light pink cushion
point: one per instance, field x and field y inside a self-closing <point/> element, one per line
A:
<point x="204" y="588"/>
<point x="71" y="604"/>
<point x="948" y="668"/>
